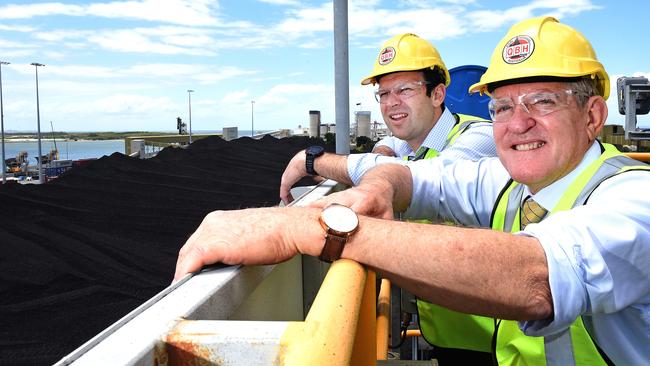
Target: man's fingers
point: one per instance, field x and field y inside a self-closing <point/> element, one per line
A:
<point x="288" y="199"/>
<point x="191" y="256"/>
<point x="285" y="195"/>
<point x="188" y="263"/>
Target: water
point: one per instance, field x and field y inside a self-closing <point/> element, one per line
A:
<point x="73" y="150"/>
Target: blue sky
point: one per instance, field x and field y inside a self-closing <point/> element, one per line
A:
<point x="127" y="65"/>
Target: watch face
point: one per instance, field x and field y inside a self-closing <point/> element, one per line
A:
<point x="315" y="150"/>
<point x="340" y="218"/>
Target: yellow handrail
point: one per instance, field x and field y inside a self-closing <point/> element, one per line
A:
<point x="336" y="331"/>
<point x="639" y="156"/>
<point x="365" y="347"/>
<point x="383" y="319"/>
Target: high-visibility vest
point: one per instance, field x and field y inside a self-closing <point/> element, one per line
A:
<point x="481" y="327"/>
<point x="463" y="122"/>
<point x="447" y="328"/>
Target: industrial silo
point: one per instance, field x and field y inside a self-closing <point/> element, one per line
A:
<point x="314" y="123"/>
<point x="230" y="133"/>
<point x="363" y="123"/>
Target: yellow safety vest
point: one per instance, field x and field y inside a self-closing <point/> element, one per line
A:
<point x="463" y="121"/>
<point x="481" y="328"/>
<point x="447" y="328"/>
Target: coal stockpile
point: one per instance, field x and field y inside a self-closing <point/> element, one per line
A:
<point x="80" y="252"/>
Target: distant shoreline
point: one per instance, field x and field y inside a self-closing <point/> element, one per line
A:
<point x="10" y="140"/>
<point x="79" y="136"/>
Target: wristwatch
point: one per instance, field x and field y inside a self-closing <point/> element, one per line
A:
<point x="339" y="223"/>
<point x="312" y="153"/>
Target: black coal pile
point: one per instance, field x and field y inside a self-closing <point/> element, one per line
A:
<point x="80" y="252"/>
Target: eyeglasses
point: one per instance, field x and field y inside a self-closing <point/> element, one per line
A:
<point x="403" y="91"/>
<point x="537" y="104"/>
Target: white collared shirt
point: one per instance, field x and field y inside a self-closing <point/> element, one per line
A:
<point x="598" y="255"/>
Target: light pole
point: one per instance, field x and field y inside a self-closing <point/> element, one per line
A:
<point x="41" y="176"/>
<point x="189" y="103"/>
<point x="2" y="127"/>
<point x="252" y="119"/>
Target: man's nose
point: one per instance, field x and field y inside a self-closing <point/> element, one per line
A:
<point x="521" y="119"/>
<point x="392" y="99"/>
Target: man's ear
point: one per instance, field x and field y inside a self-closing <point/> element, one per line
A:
<point x="438" y="95"/>
<point x="596" y="116"/>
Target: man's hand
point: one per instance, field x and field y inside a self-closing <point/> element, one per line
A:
<point x="329" y="166"/>
<point x="251" y="236"/>
<point x="364" y="200"/>
<point x="383" y="189"/>
<point x="383" y="150"/>
<point x="294" y="171"/>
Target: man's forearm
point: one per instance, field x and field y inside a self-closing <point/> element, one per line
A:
<point x="332" y="166"/>
<point x="476" y="271"/>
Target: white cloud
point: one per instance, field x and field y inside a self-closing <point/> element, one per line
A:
<point x="488" y="20"/>
<point x="121" y="104"/>
<point x="219" y="73"/>
<point x="59" y="35"/>
<point x="281" y="2"/>
<point x="15" y="54"/>
<point x="32" y="10"/>
<point x="186" y="12"/>
<point x="236" y="97"/>
<point x="136" y="41"/>
<point x="16" y="28"/>
<point x="308" y="20"/>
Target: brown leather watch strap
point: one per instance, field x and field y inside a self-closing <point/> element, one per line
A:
<point x="333" y="247"/>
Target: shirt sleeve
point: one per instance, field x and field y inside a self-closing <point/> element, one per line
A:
<point x="598" y="254"/>
<point x="462" y="191"/>
<point x="359" y="164"/>
<point x="475" y="143"/>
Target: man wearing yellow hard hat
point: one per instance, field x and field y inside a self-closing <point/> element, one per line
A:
<point x="562" y="272"/>
<point x="412" y="80"/>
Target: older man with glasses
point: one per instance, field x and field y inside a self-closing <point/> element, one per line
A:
<point x="412" y="81"/>
<point x="562" y="277"/>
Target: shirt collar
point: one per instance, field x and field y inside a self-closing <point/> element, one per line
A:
<point x="436" y="138"/>
<point x="549" y="196"/>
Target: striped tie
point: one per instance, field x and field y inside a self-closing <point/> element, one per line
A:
<point x="531" y="212"/>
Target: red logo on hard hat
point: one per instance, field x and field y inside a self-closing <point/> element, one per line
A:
<point x="386" y="55"/>
<point x="518" y="49"/>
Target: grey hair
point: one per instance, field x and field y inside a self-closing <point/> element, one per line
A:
<point x="585" y="88"/>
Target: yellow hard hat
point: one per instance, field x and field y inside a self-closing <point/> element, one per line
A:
<point x="542" y="47"/>
<point x="405" y="52"/>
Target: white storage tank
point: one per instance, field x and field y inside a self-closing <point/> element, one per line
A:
<point x="363" y="123"/>
<point x="230" y="133"/>
<point x="137" y="145"/>
<point x="324" y="128"/>
<point x="314" y="124"/>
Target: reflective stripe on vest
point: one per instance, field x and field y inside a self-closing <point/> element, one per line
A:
<point x="573" y="346"/>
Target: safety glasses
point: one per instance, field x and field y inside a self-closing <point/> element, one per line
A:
<point x="537" y="104"/>
<point x="402" y="92"/>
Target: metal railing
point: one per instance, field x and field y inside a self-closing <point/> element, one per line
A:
<point x="248" y="315"/>
<point x="254" y="315"/>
